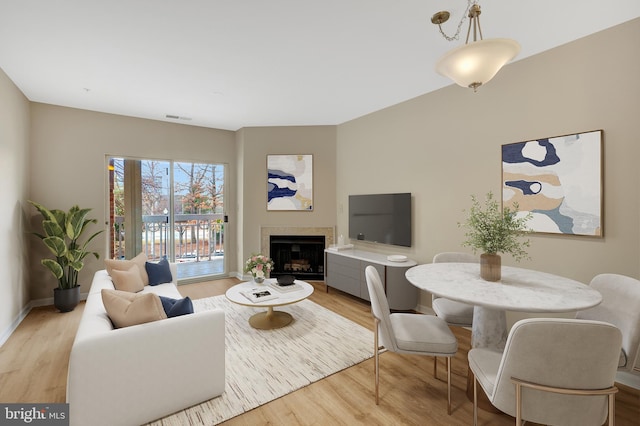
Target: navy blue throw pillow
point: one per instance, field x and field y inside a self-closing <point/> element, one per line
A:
<point x="159" y="273"/>
<point x="176" y="307"/>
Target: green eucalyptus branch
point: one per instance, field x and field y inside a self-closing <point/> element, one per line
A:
<point x="493" y="230"/>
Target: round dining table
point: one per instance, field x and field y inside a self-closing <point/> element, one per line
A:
<point x="520" y="290"/>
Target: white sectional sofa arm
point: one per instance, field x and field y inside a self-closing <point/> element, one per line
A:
<point x="137" y="374"/>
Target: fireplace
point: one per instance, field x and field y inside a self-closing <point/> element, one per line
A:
<point x="299" y="255"/>
<point x="319" y="233"/>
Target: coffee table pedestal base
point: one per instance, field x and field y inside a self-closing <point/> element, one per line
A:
<point x="270" y="319"/>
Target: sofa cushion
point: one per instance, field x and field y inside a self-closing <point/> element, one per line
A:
<point x="166" y="290"/>
<point x="126" y="309"/>
<point x="128" y="280"/>
<point x="125" y="265"/>
<point x="159" y="273"/>
<point x="176" y="307"/>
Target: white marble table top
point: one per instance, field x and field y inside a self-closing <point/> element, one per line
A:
<point x="522" y="290"/>
<point x="284" y="298"/>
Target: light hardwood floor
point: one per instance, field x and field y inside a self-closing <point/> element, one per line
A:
<point x="33" y="368"/>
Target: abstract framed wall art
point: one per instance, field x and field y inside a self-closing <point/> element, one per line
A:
<point x="559" y="180"/>
<point x="290" y="182"/>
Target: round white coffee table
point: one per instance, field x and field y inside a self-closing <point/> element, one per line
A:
<point x="269" y="319"/>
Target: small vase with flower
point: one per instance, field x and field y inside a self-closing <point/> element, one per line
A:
<point x="259" y="266"/>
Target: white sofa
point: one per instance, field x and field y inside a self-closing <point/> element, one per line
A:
<point x="134" y="375"/>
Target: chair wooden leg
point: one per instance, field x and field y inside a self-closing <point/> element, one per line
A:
<point x="376" y="352"/>
<point x="449" y="385"/>
<point x="435" y="367"/>
<point x="612" y="409"/>
<point x="475" y="402"/>
<point x="518" y="404"/>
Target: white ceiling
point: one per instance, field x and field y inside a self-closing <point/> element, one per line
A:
<point x="230" y="64"/>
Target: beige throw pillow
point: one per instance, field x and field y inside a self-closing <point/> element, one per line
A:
<point x="125" y="265"/>
<point x="129" y="280"/>
<point x="126" y="309"/>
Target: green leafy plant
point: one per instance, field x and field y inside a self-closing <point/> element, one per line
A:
<point x="493" y="230"/>
<point x="62" y="231"/>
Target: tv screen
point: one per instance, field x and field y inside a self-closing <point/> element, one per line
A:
<point x="381" y="218"/>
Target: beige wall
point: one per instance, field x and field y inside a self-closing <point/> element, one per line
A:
<point x="445" y="146"/>
<point x="61" y="134"/>
<point x="255" y="144"/>
<point x="442" y="147"/>
<point x="69" y="147"/>
<point x="14" y="175"/>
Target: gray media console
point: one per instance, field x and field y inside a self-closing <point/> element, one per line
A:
<point x="344" y="270"/>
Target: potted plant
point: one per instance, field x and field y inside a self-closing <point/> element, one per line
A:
<point x="492" y="230"/>
<point x="62" y="232"/>
<point x="259" y="266"/>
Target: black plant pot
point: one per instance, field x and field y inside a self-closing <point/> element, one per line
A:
<point x="66" y="299"/>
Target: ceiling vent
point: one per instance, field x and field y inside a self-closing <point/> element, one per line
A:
<point x="177" y="117"/>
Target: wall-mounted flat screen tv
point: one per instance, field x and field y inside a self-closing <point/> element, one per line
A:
<point x="381" y="218"/>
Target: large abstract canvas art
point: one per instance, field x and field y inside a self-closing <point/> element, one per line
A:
<point x="290" y="182"/>
<point x="558" y="180"/>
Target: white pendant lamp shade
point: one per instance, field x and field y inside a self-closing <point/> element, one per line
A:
<point x="474" y="64"/>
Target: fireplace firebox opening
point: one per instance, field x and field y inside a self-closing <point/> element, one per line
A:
<point x="299" y="255"/>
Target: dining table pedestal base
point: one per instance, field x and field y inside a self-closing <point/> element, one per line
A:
<point x="489" y="328"/>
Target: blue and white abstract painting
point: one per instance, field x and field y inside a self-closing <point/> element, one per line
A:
<point x="290" y="182"/>
<point x="558" y="180"/>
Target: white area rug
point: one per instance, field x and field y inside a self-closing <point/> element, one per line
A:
<point x="262" y="365"/>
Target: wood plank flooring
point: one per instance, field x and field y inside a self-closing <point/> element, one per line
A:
<point x="33" y="368"/>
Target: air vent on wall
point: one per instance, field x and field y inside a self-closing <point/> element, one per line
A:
<point x="177" y="117"/>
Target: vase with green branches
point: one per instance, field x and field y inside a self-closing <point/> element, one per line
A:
<point x="62" y="233"/>
<point x="493" y="230"/>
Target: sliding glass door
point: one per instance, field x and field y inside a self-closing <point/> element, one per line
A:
<point x="169" y="208"/>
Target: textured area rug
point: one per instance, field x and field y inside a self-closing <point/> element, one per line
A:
<point x="262" y="365"/>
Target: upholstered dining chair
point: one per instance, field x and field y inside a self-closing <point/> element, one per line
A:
<point x="454" y="313"/>
<point x="620" y="306"/>
<point x="556" y="371"/>
<point x="405" y="333"/>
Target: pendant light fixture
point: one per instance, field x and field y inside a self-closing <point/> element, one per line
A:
<point x="474" y="63"/>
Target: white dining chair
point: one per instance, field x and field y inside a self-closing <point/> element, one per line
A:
<point x="620" y="306"/>
<point x="453" y="312"/>
<point x="413" y="334"/>
<point x="553" y="371"/>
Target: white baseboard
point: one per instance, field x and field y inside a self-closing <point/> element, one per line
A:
<point x="24" y="312"/>
<point x="425" y="310"/>
<point x="629" y="378"/>
<point x="42" y="302"/>
<point x="48" y="301"/>
<point x="14" y="324"/>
